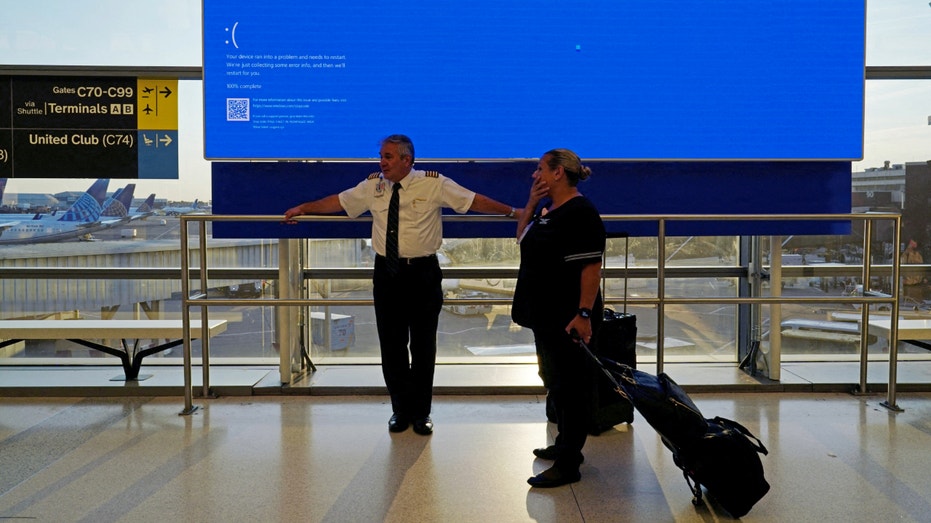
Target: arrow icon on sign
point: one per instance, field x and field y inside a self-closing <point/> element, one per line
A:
<point x="166" y="91"/>
<point x="166" y="140"/>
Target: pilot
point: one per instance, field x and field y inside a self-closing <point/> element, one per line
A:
<point x="406" y="206"/>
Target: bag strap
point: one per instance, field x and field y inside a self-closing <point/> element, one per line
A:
<point x="755" y="441"/>
<point x="611" y="378"/>
<point x="695" y="487"/>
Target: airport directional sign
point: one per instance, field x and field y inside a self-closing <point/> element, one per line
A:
<point x="88" y="127"/>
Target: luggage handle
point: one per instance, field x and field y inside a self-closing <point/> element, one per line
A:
<point x="584" y="346"/>
<point x="604" y="265"/>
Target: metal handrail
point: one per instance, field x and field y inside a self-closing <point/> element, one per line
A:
<point x="200" y="300"/>
<point x="476" y="272"/>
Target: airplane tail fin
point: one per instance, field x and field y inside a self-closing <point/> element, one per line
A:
<point x="117" y="206"/>
<point x="88" y="206"/>
<point x="148" y="205"/>
<point x="107" y="204"/>
<point x="127" y="197"/>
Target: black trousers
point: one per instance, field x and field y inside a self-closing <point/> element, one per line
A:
<point x="407" y="311"/>
<point x="565" y="370"/>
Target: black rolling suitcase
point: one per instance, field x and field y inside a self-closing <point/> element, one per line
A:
<point x="616" y="341"/>
<point x="718" y="454"/>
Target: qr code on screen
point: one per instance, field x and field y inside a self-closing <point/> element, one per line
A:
<point x="237" y="109"/>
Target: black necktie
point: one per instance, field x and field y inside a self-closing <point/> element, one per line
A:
<point x="391" y="240"/>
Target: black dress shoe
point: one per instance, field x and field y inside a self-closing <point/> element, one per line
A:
<point x="553" y="477"/>
<point x="548" y="453"/>
<point x="397" y="423"/>
<point x="423" y="426"/>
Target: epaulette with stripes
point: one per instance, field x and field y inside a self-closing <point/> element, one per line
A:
<point x="374" y="176"/>
<point x="432" y="174"/>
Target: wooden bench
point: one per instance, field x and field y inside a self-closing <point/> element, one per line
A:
<point x="84" y="332"/>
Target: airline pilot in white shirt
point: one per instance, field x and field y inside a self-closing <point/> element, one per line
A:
<point x="408" y="294"/>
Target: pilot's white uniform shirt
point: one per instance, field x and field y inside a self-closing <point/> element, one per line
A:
<point x="422" y="198"/>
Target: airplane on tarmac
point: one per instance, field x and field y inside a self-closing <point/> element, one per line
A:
<point x="197" y="207"/>
<point x="114" y="208"/>
<point x="80" y="219"/>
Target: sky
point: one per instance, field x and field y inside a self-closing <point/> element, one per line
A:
<point x="168" y="33"/>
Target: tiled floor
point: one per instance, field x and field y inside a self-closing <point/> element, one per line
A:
<point x="833" y="457"/>
<point x="76" y="446"/>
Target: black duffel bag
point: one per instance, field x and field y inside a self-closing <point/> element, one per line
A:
<point x="718" y="454"/>
<point x="726" y="461"/>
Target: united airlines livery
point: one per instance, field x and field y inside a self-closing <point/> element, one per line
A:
<point x="145" y="210"/>
<point x="80" y="219"/>
<point x="116" y="207"/>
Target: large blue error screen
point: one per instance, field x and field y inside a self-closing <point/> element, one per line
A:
<point x="510" y="79"/>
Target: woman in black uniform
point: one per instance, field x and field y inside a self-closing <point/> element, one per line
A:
<point x="557" y="296"/>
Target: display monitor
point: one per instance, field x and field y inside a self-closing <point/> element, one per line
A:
<point x="509" y="79"/>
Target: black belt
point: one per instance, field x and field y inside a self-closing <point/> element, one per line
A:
<point x="431" y="258"/>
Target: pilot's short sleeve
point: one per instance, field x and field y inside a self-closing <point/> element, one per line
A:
<point x="356" y="200"/>
<point x="455" y="196"/>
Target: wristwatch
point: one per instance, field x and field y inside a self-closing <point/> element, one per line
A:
<point x="585" y="313"/>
